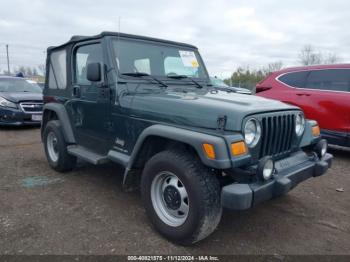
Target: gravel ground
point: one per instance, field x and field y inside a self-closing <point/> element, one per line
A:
<point x="86" y="212"/>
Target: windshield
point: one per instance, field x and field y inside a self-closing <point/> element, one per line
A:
<point x="18" y="85"/>
<point x="157" y="59"/>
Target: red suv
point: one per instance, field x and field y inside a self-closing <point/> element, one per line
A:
<point x="322" y="91"/>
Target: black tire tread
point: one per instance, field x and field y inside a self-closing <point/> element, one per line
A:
<point x="66" y="162"/>
<point x="209" y="186"/>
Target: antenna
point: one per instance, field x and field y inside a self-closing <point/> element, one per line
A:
<point x="8" y="60"/>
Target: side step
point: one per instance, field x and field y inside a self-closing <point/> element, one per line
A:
<point x="119" y="158"/>
<point x="87" y="155"/>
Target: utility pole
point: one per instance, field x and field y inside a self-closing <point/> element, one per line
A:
<point x="8" y="60"/>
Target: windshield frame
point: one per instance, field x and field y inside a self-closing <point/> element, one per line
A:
<point x="18" y="79"/>
<point x="120" y="75"/>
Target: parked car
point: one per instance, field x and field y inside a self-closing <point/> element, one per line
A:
<point x="220" y="84"/>
<point x="41" y="85"/>
<point x="21" y="102"/>
<point x="323" y="92"/>
<point x="148" y="105"/>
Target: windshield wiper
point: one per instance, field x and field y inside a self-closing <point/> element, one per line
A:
<point x="185" y="77"/>
<point x="140" y="74"/>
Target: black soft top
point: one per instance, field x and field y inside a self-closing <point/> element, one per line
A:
<point x="79" y="38"/>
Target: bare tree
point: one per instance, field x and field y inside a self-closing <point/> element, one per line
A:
<point x="332" y="58"/>
<point x="29" y="71"/>
<point x="272" y="67"/>
<point x="21" y="69"/>
<point x="42" y="68"/>
<point x="309" y="56"/>
<point x="35" y="71"/>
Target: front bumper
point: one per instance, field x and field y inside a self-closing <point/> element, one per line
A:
<point x="16" y="117"/>
<point x="289" y="173"/>
<point x="336" y="137"/>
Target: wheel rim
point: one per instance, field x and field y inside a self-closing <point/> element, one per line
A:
<point x="52" y="146"/>
<point x="170" y="199"/>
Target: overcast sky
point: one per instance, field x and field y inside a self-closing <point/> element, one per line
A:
<point x="228" y="33"/>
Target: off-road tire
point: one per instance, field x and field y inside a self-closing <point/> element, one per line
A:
<point x="65" y="161"/>
<point x="203" y="192"/>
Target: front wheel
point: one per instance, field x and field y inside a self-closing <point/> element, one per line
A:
<point x="181" y="196"/>
<point x="56" y="148"/>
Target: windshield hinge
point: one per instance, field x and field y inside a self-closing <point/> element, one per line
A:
<point x="221" y="122"/>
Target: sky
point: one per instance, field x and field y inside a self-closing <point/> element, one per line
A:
<point x="228" y="33"/>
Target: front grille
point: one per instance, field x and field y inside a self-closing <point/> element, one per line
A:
<point x="277" y="134"/>
<point x="31" y="107"/>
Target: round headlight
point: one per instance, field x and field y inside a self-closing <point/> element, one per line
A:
<point x="299" y="124"/>
<point x="252" y="132"/>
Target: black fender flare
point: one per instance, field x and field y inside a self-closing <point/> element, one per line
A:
<point x="62" y="115"/>
<point x="192" y="138"/>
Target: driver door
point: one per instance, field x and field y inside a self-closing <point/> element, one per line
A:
<point x="90" y="104"/>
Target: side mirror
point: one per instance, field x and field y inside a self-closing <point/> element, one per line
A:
<point x="93" y="72"/>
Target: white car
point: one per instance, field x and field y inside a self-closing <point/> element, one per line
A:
<point x="220" y="84"/>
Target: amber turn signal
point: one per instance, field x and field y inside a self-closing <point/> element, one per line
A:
<point x="238" y="148"/>
<point x="209" y="151"/>
<point x="316" y="131"/>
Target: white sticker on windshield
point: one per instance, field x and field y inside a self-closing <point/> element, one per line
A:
<point x="188" y="58"/>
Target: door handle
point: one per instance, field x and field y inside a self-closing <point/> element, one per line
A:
<point x="303" y="94"/>
<point x="76" y="91"/>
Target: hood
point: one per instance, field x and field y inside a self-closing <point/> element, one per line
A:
<point x="234" y="89"/>
<point x="242" y="90"/>
<point x="202" y="108"/>
<point x="21" y="96"/>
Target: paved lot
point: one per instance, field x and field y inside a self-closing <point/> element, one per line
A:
<point x="86" y="212"/>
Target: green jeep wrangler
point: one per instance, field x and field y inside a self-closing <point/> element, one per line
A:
<point x="192" y="148"/>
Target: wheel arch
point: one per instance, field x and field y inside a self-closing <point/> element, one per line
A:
<point x="193" y="139"/>
<point x="157" y="138"/>
<point x="55" y="111"/>
<point x="154" y="144"/>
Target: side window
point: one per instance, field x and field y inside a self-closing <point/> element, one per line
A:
<point x="52" y="79"/>
<point x="331" y="79"/>
<point x="85" y="55"/>
<point x="295" y="79"/>
<point x="58" y="70"/>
